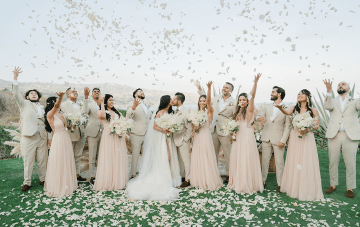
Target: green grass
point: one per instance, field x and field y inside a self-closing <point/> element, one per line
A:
<point x="224" y="207"/>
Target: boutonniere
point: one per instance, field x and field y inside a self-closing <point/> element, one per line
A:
<point x="351" y="99"/>
<point x="231" y="104"/>
<point x="284" y="107"/>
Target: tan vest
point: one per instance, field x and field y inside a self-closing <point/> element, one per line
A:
<point x="30" y="121"/>
<point x="349" y="117"/>
<point x="185" y="134"/>
<point x="67" y="107"/>
<point x="94" y="125"/>
<point x="141" y="119"/>
<point x="277" y="131"/>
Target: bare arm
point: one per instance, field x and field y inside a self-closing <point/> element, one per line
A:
<point x="316" y="116"/>
<point x="208" y="99"/>
<point x="287" y="111"/>
<point x="155" y="127"/>
<point x="251" y="106"/>
<point x="56" y="107"/>
<point x="101" y="113"/>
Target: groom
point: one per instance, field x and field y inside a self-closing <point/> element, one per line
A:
<point x="182" y="140"/>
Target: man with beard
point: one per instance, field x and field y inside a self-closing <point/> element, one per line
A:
<point x="140" y="113"/>
<point x="343" y="133"/>
<point x="274" y="135"/>
<point x="93" y="130"/>
<point x="33" y="142"/>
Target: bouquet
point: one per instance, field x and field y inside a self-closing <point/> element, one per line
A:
<point x="171" y="122"/>
<point x="230" y="127"/>
<point x="303" y="122"/>
<point x="76" y="119"/>
<point x="197" y="118"/>
<point x="120" y="126"/>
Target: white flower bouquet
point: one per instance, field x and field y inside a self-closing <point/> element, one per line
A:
<point x="230" y="127"/>
<point x="120" y="126"/>
<point x="76" y="119"/>
<point x="171" y="122"/>
<point x="303" y="122"/>
<point x="197" y="118"/>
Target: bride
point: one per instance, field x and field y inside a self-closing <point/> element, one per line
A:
<point x="159" y="168"/>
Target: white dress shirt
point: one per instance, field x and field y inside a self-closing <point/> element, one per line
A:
<point x="179" y="108"/>
<point x="145" y="108"/>
<point x="342" y="104"/>
<point x="275" y="112"/>
<point x="75" y="105"/>
<point x="222" y="104"/>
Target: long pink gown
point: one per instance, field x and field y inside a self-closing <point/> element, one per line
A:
<point x="301" y="178"/>
<point x="112" y="170"/>
<point x="244" y="169"/>
<point x="204" y="170"/>
<point x="60" y="177"/>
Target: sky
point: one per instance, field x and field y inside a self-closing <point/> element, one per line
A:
<point x="166" y="45"/>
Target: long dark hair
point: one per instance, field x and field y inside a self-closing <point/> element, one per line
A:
<point x="308" y="103"/>
<point x="243" y="110"/>
<point x="164" y="103"/>
<point x="108" y="116"/>
<point x="201" y="96"/>
<point x="50" y="102"/>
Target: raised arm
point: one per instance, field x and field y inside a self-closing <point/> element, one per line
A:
<point x="85" y="109"/>
<point x="251" y="106"/>
<point x="328" y="104"/>
<point x="208" y="98"/>
<point x="101" y="113"/>
<point x="56" y="107"/>
<point x="200" y="90"/>
<point x="16" y="92"/>
<point x="287" y="111"/>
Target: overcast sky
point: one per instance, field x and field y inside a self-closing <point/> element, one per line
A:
<point x="295" y="44"/>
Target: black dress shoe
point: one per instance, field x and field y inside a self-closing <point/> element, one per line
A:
<point x="42" y="183"/>
<point x="79" y="178"/>
<point x="25" y="187"/>
<point x="226" y="181"/>
<point x="183" y="179"/>
<point x="185" y="184"/>
<point x="92" y="180"/>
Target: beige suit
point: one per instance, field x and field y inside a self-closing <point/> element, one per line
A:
<point x="346" y="140"/>
<point x="93" y="133"/>
<point x="275" y="130"/>
<point x="138" y="131"/>
<point x="33" y="142"/>
<point x="217" y="135"/>
<point x="182" y="143"/>
<point x="77" y="137"/>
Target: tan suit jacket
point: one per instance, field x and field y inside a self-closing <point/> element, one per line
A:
<point x="185" y="134"/>
<point x="67" y="107"/>
<point x="30" y="121"/>
<point x="93" y="126"/>
<point x="220" y="116"/>
<point x="141" y="119"/>
<point x="277" y="131"/>
<point x="349" y="117"/>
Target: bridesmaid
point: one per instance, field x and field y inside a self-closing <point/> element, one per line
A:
<point x="60" y="177"/>
<point x="245" y="172"/>
<point x="204" y="171"/>
<point x="301" y="178"/>
<point x="112" y="170"/>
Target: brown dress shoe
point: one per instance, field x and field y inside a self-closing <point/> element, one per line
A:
<point x="330" y="190"/>
<point x="350" y="194"/>
<point x="92" y="180"/>
<point x="25" y="187"/>
<point x="185" y="184"/>
<point x="42" y="183"/>
<point x="226" y="181"/>
<point x="278" y="189"/>
<point x="79" y="178"/>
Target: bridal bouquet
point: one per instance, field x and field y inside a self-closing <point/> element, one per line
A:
<point x="197" y="118"/>
<point x="76" y="119"/>
<point x="230" y="127"/>
<point x="120" y="126"/>
<point x="171" y="122"/>
<point x="303" y="122"/>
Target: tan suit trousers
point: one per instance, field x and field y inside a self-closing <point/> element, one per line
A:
<point x="224" y="142"/>
<point x="94" y="144"/>
<point x="78" y="147"/>
<point x="34" y="147"/>
<point x="267" y="149"/>
<point x="349" y="148"/>
<point x="184" y="159"/>
<point x="136" y="146"/>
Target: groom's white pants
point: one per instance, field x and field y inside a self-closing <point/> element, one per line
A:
<point x="183" y="152"/>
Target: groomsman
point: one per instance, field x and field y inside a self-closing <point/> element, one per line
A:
<point x="343" y="133"/>
<point x="33" y="142"/>
<point x="77" y="137"/>
<point x="182" y="140"/>
<point x="140" y="113"/>
<point x="93" y="130"/>
<point x="274" y="135"/>
<point x="224" y="107"/>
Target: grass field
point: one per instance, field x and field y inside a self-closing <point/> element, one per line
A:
<point x="194" y="207"/>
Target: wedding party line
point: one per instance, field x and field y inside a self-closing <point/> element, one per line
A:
<point x="181" y="148"/>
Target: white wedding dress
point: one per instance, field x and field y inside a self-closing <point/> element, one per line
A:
<point x="157" y="178"/>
